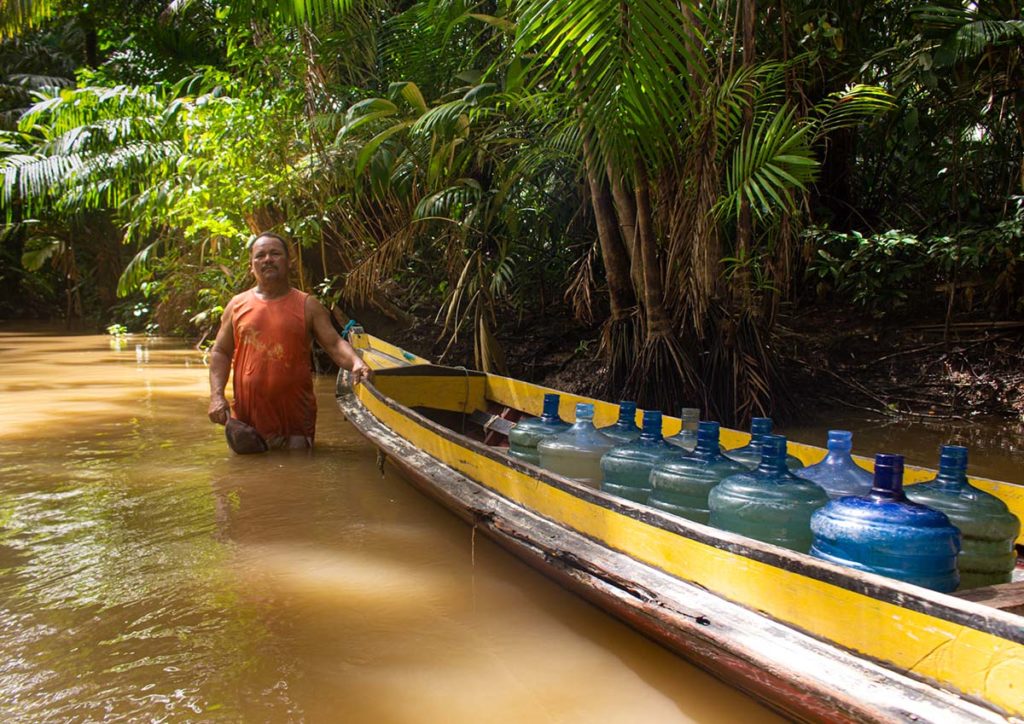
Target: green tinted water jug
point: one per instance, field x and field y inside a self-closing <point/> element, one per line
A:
<point x="987" y="526"/>
<point x="768" y="503"/>
<point x="524" y="436"/>
<point x="750" y="454"/>
<point x="681" y="485"/>
<point x="884" y="533"/>
<point x="576" y="453"/>
<point x="686" y="438"/>
<point x="625" y="429"/>
<point x="626" y="469"/>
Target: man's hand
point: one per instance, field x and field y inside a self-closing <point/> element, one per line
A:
<point x="219" y="411"/>
<point x="360" y="371"/>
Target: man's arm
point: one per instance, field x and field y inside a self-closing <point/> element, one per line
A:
<point x="220" y="366"/>
<point x="339" y="350"/>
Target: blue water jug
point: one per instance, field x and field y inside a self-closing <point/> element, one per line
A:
<point x="576" y="453"/>
<point x="625" y="429"/>
<point x="768" y="503"/>
<point x="987" y="527"/>
<point x="686" y="438"/>
<point x="626" y="469"/>
<point x="750" y="454"/>
<point x="838" y="474"/>
<point x="525" y="434"/>
<point x="883" y="532"/>
<point x="681" y="485"/>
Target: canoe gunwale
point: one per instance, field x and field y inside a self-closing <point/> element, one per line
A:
<point x="966" y="613"/>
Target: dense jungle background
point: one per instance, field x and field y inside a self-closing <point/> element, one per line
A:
<point x="745" y="206"/>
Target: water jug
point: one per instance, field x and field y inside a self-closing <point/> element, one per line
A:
<point x="626" y="469"/>
<point x="768" y="503"/>
<point x="524" y="436"/>
<point x="576" y="453"/>
<point x="624" y="429"/>
<point x="686" y="438"/>
<point x="681" y="485"/>
<point x="884" y="533"/>
<point x="838" y="474"/>
<point x="987" y="528"/>
<point x="750" y="454"/>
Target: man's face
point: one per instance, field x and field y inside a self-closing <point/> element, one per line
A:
<point x="269" y="261"/>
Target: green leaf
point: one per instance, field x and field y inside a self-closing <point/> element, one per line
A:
<point x="366" y="153"/>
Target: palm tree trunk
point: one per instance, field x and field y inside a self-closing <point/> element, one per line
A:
<point x="620" y="337"/>
<point x="625" y="211"/>
<point x="664" y="375"/>
<point x="613" y="250"/>
<point x="745" y="224"/>
<point x="658" y="321"/>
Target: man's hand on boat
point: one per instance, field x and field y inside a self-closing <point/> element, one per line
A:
<point x="360" y="372"/>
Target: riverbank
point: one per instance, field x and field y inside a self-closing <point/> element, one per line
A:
<point x="920" y="369"/>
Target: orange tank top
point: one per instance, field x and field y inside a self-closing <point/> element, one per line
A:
<point x="273" y="378"/>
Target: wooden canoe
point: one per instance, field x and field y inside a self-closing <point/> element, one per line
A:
<point x="816" y="641"/>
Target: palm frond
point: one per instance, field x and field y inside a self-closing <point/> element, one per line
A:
<point x="851" y="107"/>
<point x="768" y="163"/>
<point x="632" y="68"/>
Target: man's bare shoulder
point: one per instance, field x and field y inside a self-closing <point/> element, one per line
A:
<point x="314" y="307"/>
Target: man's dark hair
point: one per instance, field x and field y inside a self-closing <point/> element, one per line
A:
<point x="271" y="235"/>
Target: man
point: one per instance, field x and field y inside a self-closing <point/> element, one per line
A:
<point x="266" y="336"/>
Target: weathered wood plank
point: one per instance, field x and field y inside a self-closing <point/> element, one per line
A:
<point x="1007" y="597"/>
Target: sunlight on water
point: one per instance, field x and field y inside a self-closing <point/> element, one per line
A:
<point x="148" y="574"/>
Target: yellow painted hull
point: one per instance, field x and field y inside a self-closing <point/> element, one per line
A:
<point x="929" y="637"/>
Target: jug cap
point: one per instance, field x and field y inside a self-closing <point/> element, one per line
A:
<point x="953" y="457"/>
<point x="760" y="425"/>
<point x="840" y="440"/>
<point x="551" y="401"/>
<point x="652" y="422"/>
<point x="584" y="410"/>
<point x="888" y="475"/>
<point x="708" y="430"/>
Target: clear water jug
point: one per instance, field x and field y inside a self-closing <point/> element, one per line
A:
<point x="681" y="485"/>
<point x="768" y="503"/>
<point x="750" y="454"/>
<point x="686" y="438"/>
<point x="576" y="453"/>
<point x="987" y="527"/>
<point x="625" y="429"/>
<point x="838" y="474"/>
<point x="524" y="436"/>
<point x="884" y="533"/>
<point x="626" y="469"/>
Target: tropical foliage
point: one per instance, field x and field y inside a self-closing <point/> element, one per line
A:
<point x="673" y="171"/>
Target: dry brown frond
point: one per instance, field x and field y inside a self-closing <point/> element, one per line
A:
<point x="580" y="293"/>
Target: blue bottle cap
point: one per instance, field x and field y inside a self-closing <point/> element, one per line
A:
<point x="953" y="458"/>
<point x="773" y="449"/>
<point x="840" y="440"/>
<point x="760" y="425"/>
<point x="888" y="475"/>
<point x="652" y="423"/>
<point x="627" y="411"/>
<point x="584" y="411"/>
<point x="707" y="431"/>
<point x="550" y="406"/>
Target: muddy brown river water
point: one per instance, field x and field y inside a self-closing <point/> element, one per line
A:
<point x="147" y="574"/>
